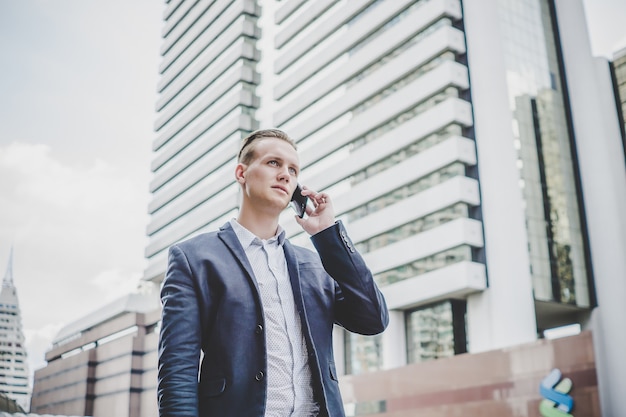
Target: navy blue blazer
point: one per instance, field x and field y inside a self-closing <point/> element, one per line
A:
<point x="211" y="303"/>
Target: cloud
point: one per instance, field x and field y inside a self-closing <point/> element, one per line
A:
<point x="76" y="117"/>
<point x="78" y="232"/>
<point x="38" y="341"/>
<point x="112" y="282"/>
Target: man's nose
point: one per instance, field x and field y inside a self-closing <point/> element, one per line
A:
<point x="284" y="174"/>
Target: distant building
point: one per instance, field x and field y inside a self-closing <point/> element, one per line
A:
<point x="8" y="405"/>
<point x="618" y="69"/>
<point x="14" y="372"/>
<point x="104" y="364"/>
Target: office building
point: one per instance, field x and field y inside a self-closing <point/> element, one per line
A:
<point x="14" y="373"/>
<point x="458" y="138"/>
<point x="207" y="99"/>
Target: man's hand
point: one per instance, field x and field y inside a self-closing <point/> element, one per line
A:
<point x="321" y="216"/>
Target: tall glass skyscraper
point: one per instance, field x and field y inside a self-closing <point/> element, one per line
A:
<point x="455" y="136"/>
<point x="14" y="373"/>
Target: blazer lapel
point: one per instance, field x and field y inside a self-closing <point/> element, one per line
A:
<point x="294" y="277"/>
<point x="229" y="237"/>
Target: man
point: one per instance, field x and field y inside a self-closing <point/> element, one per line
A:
<point x="260" y="309"/>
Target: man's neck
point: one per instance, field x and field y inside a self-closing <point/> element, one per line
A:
<point x="261" y="225"/>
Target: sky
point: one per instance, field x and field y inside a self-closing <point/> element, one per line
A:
<point x="77" y="94"/>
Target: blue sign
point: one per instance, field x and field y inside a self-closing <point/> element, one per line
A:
<point x="557" y="402"/>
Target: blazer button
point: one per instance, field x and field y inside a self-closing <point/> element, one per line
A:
<point x="259" y="376"/>
<point x="259" y="329"/>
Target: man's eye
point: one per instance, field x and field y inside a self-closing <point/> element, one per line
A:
<point x="273" y="163"/>
<point x="293" y="171"/>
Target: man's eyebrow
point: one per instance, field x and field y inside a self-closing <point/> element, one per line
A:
<point x="280" y="158"/>
<point x="270" y="156"/>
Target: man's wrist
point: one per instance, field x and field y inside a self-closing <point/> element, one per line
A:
<point x="324" y="227"/>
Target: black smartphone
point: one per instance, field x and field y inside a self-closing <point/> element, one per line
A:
<point x="298" y="201"/>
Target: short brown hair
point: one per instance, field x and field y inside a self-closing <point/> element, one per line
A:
<point x="246" y="152"/>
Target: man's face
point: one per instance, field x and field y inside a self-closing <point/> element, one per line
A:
<point x="271" y="178"/>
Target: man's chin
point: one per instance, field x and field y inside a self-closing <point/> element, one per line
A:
<point x="281" y="205"/>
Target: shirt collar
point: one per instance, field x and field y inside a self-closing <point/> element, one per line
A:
<point x="247" y="238"/>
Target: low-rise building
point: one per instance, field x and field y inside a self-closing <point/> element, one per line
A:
<point x="103" y="364"/>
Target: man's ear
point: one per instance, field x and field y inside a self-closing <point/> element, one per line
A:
<point x="240" y="171"/>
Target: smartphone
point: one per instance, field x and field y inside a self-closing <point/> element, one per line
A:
<point x="298" y="201"/>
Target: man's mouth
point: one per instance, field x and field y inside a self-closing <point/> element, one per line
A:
<point x="281" y="188"/>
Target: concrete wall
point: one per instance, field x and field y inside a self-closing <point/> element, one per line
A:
<point x="501" y="383"/>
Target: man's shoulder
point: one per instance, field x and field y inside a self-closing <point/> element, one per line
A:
<point x="203" y="240"/>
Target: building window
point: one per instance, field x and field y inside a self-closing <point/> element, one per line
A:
<point x="363" y="353"/>
<point x="436" y="331"/>
<point x="417" y="226"/>
<point x="424" y="265"/>
<point x="428" y="181"/>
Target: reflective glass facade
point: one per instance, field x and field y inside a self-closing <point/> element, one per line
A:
<point x="545" y="154"/>
<point x="435" y="331"/>
<point x="429" y="333"/>
<point x="363" y="353"/>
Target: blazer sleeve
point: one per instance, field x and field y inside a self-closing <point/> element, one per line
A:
<point x="359" y="305"/>
<point x="179" y="340"/>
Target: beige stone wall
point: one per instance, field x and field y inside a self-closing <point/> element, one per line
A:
<point x="64" y="384"/>
<point x="116" y="378"/>
<point x="499" y="383"/>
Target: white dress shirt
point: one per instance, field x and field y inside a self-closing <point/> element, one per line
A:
<point x="289" y="386"/>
